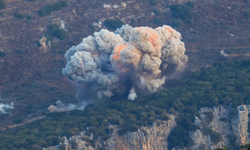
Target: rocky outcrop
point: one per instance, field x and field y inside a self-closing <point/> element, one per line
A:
<point x="240" y="124"/>
<point x="74" y="143"/>
<point x="216" y="127"/>
<point x="216" y="131"/>
<point x="146" y="138"/>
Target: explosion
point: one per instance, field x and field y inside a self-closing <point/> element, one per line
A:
<point x="130" y="59"/>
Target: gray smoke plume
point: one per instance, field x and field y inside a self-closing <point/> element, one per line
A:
<point x="61" y="107"/>
<point x="130" y="60"/>
<point x="5" y="107"/>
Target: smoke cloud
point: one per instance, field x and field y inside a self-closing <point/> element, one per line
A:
<point x="129" y="60"/>
<point x="61" y="107"/>
<point x="5" y="107"/>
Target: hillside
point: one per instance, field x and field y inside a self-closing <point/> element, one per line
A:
<point x="31" y="74"/>
<point x="31" y="71"/>
<point x="221" y="84"/>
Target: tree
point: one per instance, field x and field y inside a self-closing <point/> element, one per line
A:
<point x="63" y="3"/>
<point x="113" y="24"/>
<point x="2" y="54"/>
<point x="18" y="15"/>
<point x="215" y="137"/>
<point x="182" y="12"/>
<point x="153" y="2"/>
<point x="60" y="34"/>
<point x="2" y="4"/>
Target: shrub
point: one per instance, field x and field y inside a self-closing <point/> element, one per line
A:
<point x="157" y="12"/>
<point x="18" y="15"/>
<point x="52" y="7"/>
<point x="151" y="120"/>
<point x="157" y="21"/>
<point x="182" y="12"/>
<point x="2" y="54"/>
<point x="190" y="4"/>
<point x="209" y="116"/>
<point x="57" y="6"/>
<point x="153" y="2"/>
<point x="63" y="3"/>
<point x="53" y="27"/>
<point x="113" y="24"/>
<point x="2" y="4"/>
<point x="56" y="32"/>
<point x="221" y="148"/>
<point x="60" y="34"/>
<point x="164" y="116"/>
<point x="36" y="147"/>
<point x="18" y="119"/>
<point x="215" y="137"/>
<point x="29" y="17"/>
<point x="20" y="51"/>
<point x="176" y="22"/>
<point x="74" y="144"/>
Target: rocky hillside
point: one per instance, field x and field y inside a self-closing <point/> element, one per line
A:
<point x="217" y="128"/>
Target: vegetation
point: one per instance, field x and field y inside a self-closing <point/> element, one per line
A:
<point x="183" y="12"/>
<point x="158" y="21"/>
<point x="18" y="15"/>
<point x="56" y="32"/>
<point x="237" y="50"/>
<point x="20" y="51"/>
<point x="157" y="12"/>
<point x="113" y="24"/>
<point x="153" y="2"/>
<point x="52" y="7"/>
<point x="215" y="137"/>
<point x="244" y="147"/>
<point x="29" y="17"/>
<point x="2" y="54"/>
<point x="176" y="22"/>
<point x="221" y="84"/>
<point x="2" y="4"/>
<point x="209" y="117"/>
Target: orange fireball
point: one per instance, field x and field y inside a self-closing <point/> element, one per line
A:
<point x="118" y="49"/>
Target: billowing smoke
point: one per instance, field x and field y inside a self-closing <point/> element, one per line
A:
<point x="133" y="60"/>
<point x="61" y="107"/>
<point x="5" y="107"/>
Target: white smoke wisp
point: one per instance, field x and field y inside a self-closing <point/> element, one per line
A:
<point x="130" y="60"/>
<point x="132" y="95"/>
<point x="5" y="107"/>
<point x="61" y="107"/>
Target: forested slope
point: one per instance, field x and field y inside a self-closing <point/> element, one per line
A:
<point x="225" y="83"/>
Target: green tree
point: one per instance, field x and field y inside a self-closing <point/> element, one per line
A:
<point x="182" y="12"/>
<point x="18" y="15"/>
<point x="60" y="34"/>
<point x="2" y="4"/>
<point x="113" y="24"/>
<point x="157" y="21"/>
<point x="153" y="2"/>
<point x="2" y="54"/>
<point x="63" y="3"/>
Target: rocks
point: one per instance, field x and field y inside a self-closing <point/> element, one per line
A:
<point x="222" y="124"/>
<point x="146" y="138"/>
<point x="240" y="124"/>
<point x="213" y="132"/>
